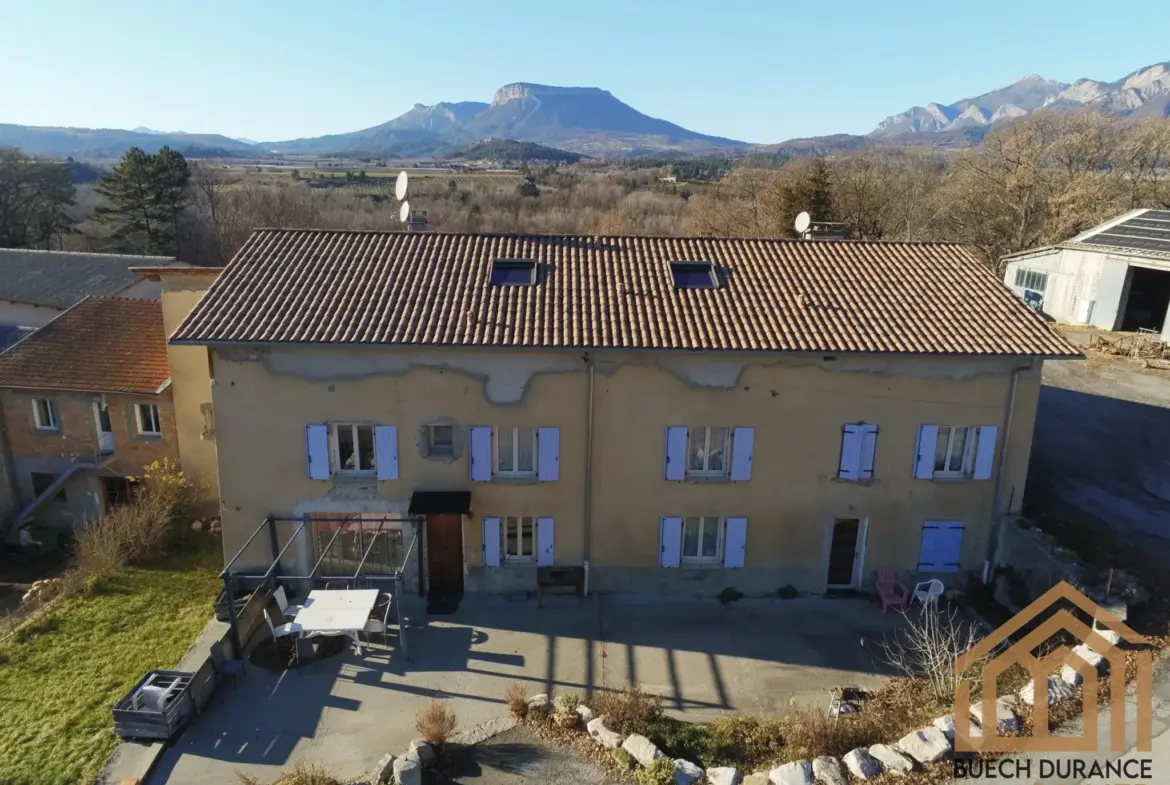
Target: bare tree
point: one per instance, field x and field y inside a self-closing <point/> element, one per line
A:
<point x="927" y="647"/>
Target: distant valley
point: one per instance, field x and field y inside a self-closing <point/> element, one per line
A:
<point x="593" y="122"/>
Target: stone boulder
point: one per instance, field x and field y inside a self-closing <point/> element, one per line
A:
<point x="796" y="773"/>
<point x="538" y="701"/>
<point x="421" y="751"/>
<point x="585" y="713"/>
<point x="603" y="735"/>
<point x="384" y="770"/>
<point x="407" y="771"/>
<point x="726" y="775"/>
<point x="641" y="749"/>
<point x="1005" y="718"/>
<point x="929" y="745"/>
<point x="686" y="772"/>
<point x="892" y="760"/>
<point x="861" y="765"/>
<point x="827" y="770"/>
<point x="1069" y="674"/>
<point x="947" y="725"/>
<point x="1058" y="690"/>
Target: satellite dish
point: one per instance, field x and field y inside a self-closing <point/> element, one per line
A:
<point x="802" y="222"/>
<point x="404" y="211"/>
<point x="400" y="187"/>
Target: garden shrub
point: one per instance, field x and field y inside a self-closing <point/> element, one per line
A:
<point x="660" y="772"/>
<point x="629" y="711"/>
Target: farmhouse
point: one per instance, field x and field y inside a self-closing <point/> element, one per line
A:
<point x="86" y="403"/>
<point x="680" y="414"/>
<point x="1115" y="276"/>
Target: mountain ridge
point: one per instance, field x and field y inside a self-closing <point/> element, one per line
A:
<point x="1141" y="93"/>
<point x="592" y="121"/>
<point x="586" y="120"/>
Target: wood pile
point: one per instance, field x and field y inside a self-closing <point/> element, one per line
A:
<point x="1145" y="345"/>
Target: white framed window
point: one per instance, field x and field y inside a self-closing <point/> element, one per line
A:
<point x="440" y="440"/>
<point x="516" y="451"/>
<point x="702" y="540"/>
<point x="954" y="452"/>
<point x="44" y="415"/>
<point x="707" y="451"/>
<point x="519" y="538"/>
<point x="1031" y="279"/>
<point x="353" y="448"/>
<point x="148" y="421"/>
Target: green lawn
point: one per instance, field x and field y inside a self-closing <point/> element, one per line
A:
<point x="61" y="675"/>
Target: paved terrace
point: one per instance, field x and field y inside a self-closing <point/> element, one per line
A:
<point x="753" y="656"/>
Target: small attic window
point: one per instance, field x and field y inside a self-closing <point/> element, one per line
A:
<point x="513" y="272"/>
<point x="693" y="275"/>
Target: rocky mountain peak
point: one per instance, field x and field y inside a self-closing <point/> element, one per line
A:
<point x="518" y="91"/>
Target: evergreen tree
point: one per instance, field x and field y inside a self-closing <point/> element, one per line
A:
<point x="147" y="195"/>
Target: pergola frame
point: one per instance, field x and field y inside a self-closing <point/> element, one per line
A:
<point x="272" y="577"/>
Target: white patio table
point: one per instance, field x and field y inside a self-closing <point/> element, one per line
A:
<point x="337" y="612"/>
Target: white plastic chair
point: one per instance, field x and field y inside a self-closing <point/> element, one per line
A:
<point x="286" y="610"/>
<point x="928" y="592"/>
<point x="283" y="630"/>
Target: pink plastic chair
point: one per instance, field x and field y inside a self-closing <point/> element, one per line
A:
<point x="892" y="593"/>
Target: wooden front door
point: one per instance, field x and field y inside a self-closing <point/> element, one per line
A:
<point x="445" y="552"/>
<point x="843" y="551"/>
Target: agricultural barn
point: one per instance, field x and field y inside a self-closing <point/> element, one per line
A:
<point x="1115" y="276"/>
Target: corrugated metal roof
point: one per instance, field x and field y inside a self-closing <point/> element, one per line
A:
<point x="61" y="279"/>
<point x="434" y="289"/>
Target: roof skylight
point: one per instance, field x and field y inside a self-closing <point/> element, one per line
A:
<point x="693" y="275"/>
<point x="513" y="272"/>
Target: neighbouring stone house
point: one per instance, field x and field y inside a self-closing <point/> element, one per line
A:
<point x="680" y="414"/>
<point x="86" y="403"/>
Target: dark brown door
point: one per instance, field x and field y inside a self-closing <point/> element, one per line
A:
<point x="445" y="552"/>
<point x="843" y="551"/>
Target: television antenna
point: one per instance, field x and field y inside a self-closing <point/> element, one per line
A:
<point x="404" y="212"/>
<point x="802" y="223"/>
<point x="400" y="186"/>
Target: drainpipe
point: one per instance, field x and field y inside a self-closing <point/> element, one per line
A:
<point x="996" y="518"/>
<point x="588" y="474"/>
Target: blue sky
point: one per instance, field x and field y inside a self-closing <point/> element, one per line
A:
<point x="747" y="69"/>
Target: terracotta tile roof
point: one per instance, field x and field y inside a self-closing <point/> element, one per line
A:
<point x="397" y="288"/>
<point x="102" y="344"/>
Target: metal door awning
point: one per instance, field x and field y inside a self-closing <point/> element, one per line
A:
<point x="440" y="503"/>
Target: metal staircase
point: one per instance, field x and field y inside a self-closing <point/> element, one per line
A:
<point x="80" y="464"/>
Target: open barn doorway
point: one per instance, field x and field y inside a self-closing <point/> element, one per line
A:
<point x="1147" y="301"/>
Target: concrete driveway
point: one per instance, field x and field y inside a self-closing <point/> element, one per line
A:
<point x="1101" y="448"/>
<point x="345" y="712"/>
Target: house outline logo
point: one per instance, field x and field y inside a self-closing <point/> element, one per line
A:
<point x="1041" y="668"/>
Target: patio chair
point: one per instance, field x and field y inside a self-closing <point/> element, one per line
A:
<point x="891" y="592"/>
<point x="288" y="629"/>
<point x="379" y="621"/>
<point x="286" y="610"/>
<point x="335" y="585"/>
<point x="304" y="651"/>
<point x="928" y="592"/>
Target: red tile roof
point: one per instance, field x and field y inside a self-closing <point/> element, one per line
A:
<point x="102" y="344"/>
<point x="433" y="289"/>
